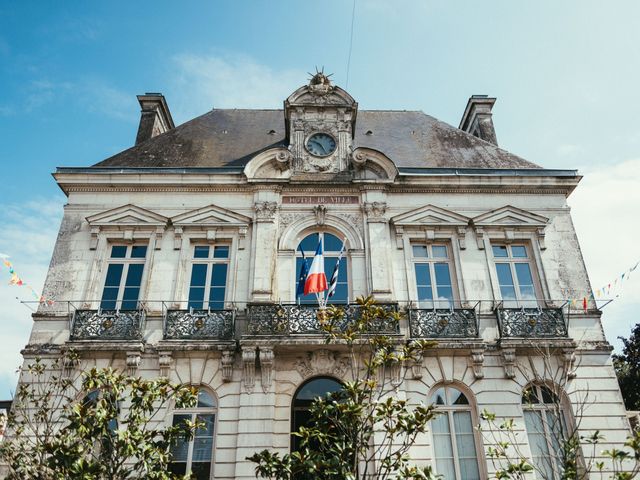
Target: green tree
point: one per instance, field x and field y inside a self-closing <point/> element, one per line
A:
<point x="365" y="430"/>
<point x="98" y="426"/>
<point x="627" y="366"/>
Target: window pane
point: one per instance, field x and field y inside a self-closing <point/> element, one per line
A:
<point x="420" y="251"/>
<point x="130" y="298"/>
<point x="118" y="251"/>
<point x="198" y="275"/>
<point x="206" y="429"/>
<point x="205" y="399"/>
<point x="332" y="243"/>
<point x="528" y="293"/>
<point x="444" y="291"/>
<point x="202" y="449"/>
<point x="438" y="397"/>
<point x="221" y="251"/>
<point x="201" y="470"/>
<point x="530" y="396"/>
<point x="201" y="251"/>
<point x="439" y="251"/>
<point x="523" y="272"/>
<point x="469" y="469"/>
<point x="519" y="251"/>
<point x="425" y="294"/>
<point x="180" y="451"/>
<point x="178" y="468"/>
<point x="444" y="297"/>
<point x="456" y="397"/>
<point x="341" y="295"/>
<point x="138" y="251"/>
<point x="535" y="432"/>
<point x="310" y="243"/>
<point x="442" y="447"/>
<point x="423" y="276"/>
<point x="196" y="297"/>
<point x="216" y="298"/>
<point x="504" y="274"/>
<point x="462" y="424"/>
<point x="317" y="388"/>
<point x="500" y="251"/>
<point x="109" y="296"/>
<point x="219" y="275"/>
<point x="134" y="275"/>
<point x="442" y="274"/>
<point x="548" y="396"/>
<point x="114" y="274"/>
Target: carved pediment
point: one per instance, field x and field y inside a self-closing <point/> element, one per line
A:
<point x="127" y="216"/>
<point x="371" y="164"/>
<point x="510" y="216"/>
<point x="274" y="163"/>
<point x="210" y="216"/>
<point x="432" y="216"/>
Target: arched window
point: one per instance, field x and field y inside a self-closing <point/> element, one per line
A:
<point x="454" y="441"/>
<point x="195" y="456"/>
<point x="546" y="424"/>
<point x="304" y="397"/>
<point x="332" y="246"/>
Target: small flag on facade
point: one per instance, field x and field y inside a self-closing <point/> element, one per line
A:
<point x="333" y="283"/>
<point x="302" y="277"/>
<point x="316" y="281"/>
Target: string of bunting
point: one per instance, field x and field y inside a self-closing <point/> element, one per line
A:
<point x="606" y="291"/>
<point x="17" y="280"/>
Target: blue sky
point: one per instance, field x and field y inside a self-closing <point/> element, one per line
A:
<point x="565" y="74"/>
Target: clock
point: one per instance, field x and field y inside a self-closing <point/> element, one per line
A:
<point x="321" y="144"/>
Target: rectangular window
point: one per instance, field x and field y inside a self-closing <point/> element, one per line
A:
<point x="124" y="277"/>
<point x="207" y="288"/>
<point x="432" y="267"/>
<point x="515" y="275"/>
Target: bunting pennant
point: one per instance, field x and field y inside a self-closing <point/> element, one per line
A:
<point x="614" y="287"/>
<point x="16" y="280"/>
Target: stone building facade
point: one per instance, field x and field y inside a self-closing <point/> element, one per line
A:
<point x="179" y="258"/>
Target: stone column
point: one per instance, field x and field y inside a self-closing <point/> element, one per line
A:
<point x="265" y="246"/>
<point x="378" y="242"/>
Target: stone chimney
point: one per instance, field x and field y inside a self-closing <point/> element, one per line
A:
<point x="155" y="117"/>
<point x="477" y="120"/>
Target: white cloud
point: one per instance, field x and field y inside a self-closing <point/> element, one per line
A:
<point x="27" y="236"/>
<point x="229" y="82"/>
<point x="605" y="210"/>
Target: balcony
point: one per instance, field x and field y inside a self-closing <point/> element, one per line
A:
<point x="107" y="324"/>
<point x="199" y="324"/>
<point x="443" y="323"/>
<point x="292" y="319"/>
<point x="534" y="322"/>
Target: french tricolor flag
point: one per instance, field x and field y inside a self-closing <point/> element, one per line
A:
<point x="316" y="279"/>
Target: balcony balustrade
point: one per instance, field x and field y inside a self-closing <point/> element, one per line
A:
<point x="443" y="323"/>
<point x="531" y="322"/>
<point x="107" y="324"/>
<point x="199" y="324"/>
<point x="291" y="319"/>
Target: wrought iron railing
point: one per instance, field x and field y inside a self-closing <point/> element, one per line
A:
<point x="443" y="322"/>
<point x="290" y="319"/>
<point x="199" y="324"/>
<point x="107" y="324"/>
<point x="531" y="322"/>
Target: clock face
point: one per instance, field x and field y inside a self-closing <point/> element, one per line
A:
<point x="321" y="144"/>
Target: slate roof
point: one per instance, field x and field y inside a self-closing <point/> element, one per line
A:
<point x="231" y="137"/>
